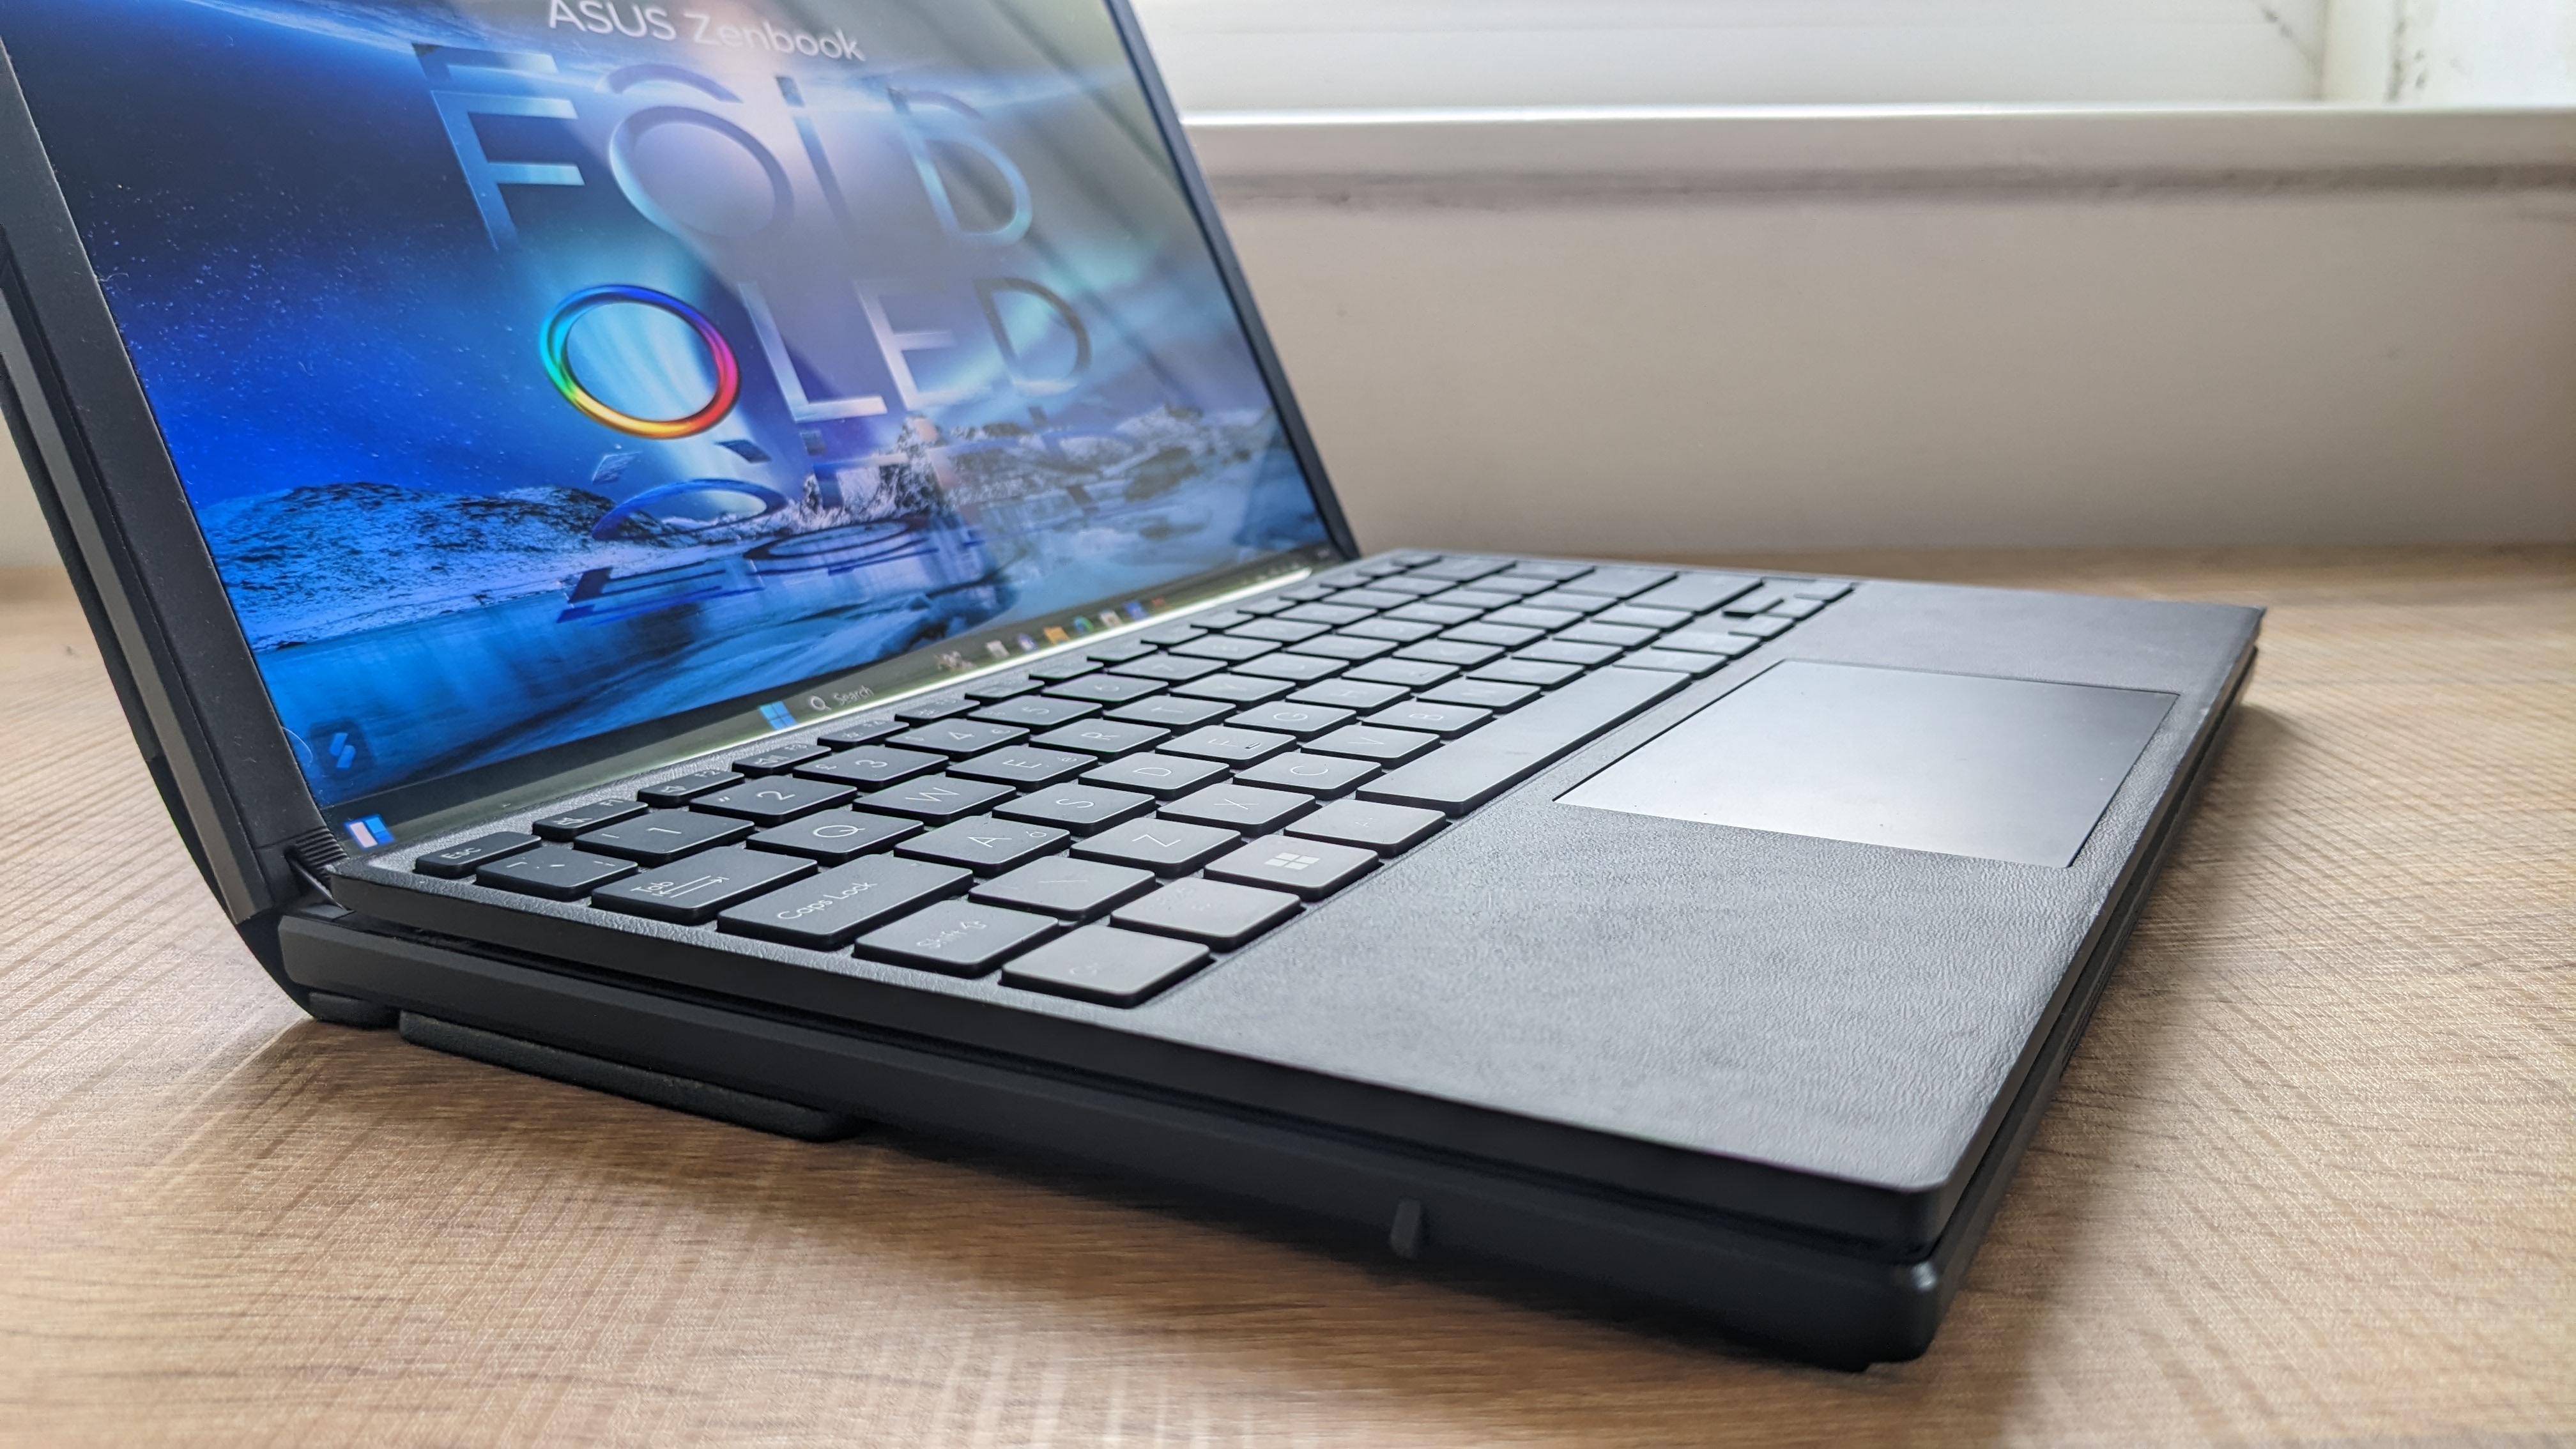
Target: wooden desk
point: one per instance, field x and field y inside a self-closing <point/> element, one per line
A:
<point x="2312" y="1176"/>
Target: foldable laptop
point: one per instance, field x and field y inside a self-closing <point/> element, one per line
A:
<point x="758" y="558"/>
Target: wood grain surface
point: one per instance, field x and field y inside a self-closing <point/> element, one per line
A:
<point x="2311" y="1178"/>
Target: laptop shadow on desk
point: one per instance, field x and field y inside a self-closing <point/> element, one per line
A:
<point x="494" y="1191"/>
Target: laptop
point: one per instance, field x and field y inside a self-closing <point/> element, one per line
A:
<point x="759" y="558"/>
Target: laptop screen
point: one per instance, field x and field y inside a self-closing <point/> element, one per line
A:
<point x="554" y="380"/>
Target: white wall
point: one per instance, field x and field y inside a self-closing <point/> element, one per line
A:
<point x="1791" y="370"/>
<point x="23" y="539"/>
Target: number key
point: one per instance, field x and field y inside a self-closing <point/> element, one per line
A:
<point x="774" y="801"/>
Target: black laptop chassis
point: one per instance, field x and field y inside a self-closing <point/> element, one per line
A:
<point x="1802" y="1265"/>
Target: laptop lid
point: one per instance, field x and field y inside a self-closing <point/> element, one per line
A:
<point x="546" y="388"/>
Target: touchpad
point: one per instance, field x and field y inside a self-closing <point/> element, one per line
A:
<point x="2006" y="769"/>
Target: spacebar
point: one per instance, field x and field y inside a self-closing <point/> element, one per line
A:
<point x="1465" y="775"/>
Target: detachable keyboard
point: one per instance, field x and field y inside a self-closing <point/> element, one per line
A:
<point x="1102" y="825"/>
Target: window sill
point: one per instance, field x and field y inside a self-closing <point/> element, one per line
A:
<point x="1539" y="153"/>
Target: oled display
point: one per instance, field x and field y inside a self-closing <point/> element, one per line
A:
<point x="540" y="369"/>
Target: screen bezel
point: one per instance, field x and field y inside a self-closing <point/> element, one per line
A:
<point x="112" y="494"/>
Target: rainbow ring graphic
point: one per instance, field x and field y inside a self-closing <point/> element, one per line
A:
<point x="558" y="343"/>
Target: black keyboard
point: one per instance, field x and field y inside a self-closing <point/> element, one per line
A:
<point x="1104" y="825"/>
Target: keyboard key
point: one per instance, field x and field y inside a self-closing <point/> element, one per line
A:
<point x="1676" y="660"/>
<point x="929" y="711"/>
<point x="1343" y="646"/>
<point x="1757" y="602"/>
<point x="1323" y="776"/>
<point x="1413" y="587"/>
<point x="1795" y="608"/>
<point x="1349" y="694"/>
<point x="1462" y="569"/>
<point x="1291" y="719"/>
<point x="1078" y="808"/>
<point x="1467" y="773"/>
<point x="779" y="761"/>
<point x="1025" y="767"/>
<point x="1226" y="648"/>
<point x="826" y="912"/>
<point x="1635" y="617"/>
<point x="1295" y="668"/>
<point x="556" y="872"/>
<point x="1704" y="641"/>
<point x="1003" y="689"/>
<point x="1230" y="745"/>
<point x="1397" y="630"/>
<point x="1616" y="635"/>
<point x="1370" y="825"/>
<point x="1557" y="601"/>
<point x="1234" y="688"/>
<point x="1482" y="693"/>
<point x="1457" y="653"/>
<point x="659" y="837"/>
<point x="957" y="938"/>
<point x="961" y="737"/>
<point x="1332" y="614"/>
<point x="873" y="765"/>
<point x="681" y="789"/>
<point x="1119" y="653"/>
<point x="1506" y="636"/>
<point x="1543" y="569"/>
<point x="1172" y="711"/>
<point x="565" y="824"/>
<point x="1512" y="583"/>
<point x="1697" y="593"/>
<point x="1371" y="598"/>
<point x="1170" y="634"/>
<point x="457" y="862"/>
<point x="1437" y="615"/>
<point x="692" y="891"/>
<point x="1313" y="869"/>
<point x="1542" y="673"/>
<point x="1383" y="745"/>
<point x="1166" y="847"/>
<point x="1239" y="807"/>
<point x="835" y="835"/>
<point x="1056" y="671"/>
<point x="936" y="797"/>
<point x="1566" y="651"/>
<point x="1102" y="737"/>
<point x="774" y="801"/>
<point x="1063" y="886"/>
<point x="1308" y="593"/>
<point x="1213" y="911"/>
<point x="1043" y="712"/>
<point x="1762" y="628"/>
<point x="1107" y="689"/>
<point x="1223" y="619"/>
<point x="1823" y="590"/>
<point x="1524" y="617"/>
<point x="1618" y="583"/>
<point x="985" y="845"/>
<point x="1264" y="607"/>
<point x="1477" y="598"/>
<point x="863" y="732"/>
<point x="1411" y="673"/>
<point x="1169" y="668"/>
<point x="1438" y="719"/>
<point x="1155" y="774"/>
<point x="1277" y="631"/>
<point x="1105" y="965"/>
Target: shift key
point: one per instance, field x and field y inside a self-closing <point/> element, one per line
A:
<point x="1466" y="774"/>
<point x="828" y="911"/>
